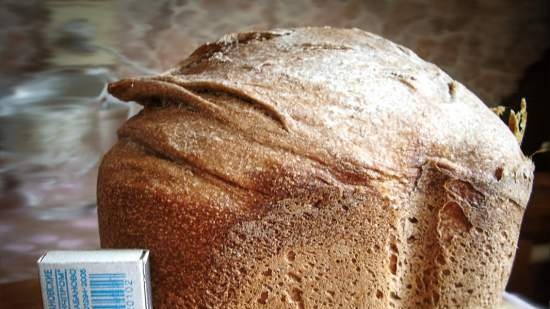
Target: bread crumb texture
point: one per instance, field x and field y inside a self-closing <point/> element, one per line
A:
<point x="314" y="168"/>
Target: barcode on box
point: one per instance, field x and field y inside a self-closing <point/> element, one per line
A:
<point x="95" y="279"/>
<point x="111" y="291"/>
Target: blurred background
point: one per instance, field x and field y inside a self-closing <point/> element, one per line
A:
<point x="56" y="119"/>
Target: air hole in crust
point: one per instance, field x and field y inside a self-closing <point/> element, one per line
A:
<point x="393" y="264"/>
<point x="499" y="172"/>
<point x="296" y="296"/>
<point x="263" y="297"/>
<point x="291" y="256"/>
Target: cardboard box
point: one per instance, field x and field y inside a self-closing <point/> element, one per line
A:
<point x="95" y="279"/>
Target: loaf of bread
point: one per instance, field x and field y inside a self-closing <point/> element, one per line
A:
<point x="314" y="168"/>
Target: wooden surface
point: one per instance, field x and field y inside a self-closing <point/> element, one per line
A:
<point x="26" y="295"/>
<point x="21" y="295"/>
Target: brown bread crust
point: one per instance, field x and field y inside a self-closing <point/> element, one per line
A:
<point x="314" y="168"/>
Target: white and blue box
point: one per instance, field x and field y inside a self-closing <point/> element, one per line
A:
<point x="95" y="279"/>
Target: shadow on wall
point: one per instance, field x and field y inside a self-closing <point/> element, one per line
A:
<point x="535" y="87"/>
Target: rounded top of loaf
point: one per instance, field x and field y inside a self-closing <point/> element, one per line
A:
<point x="282" y="111"/>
